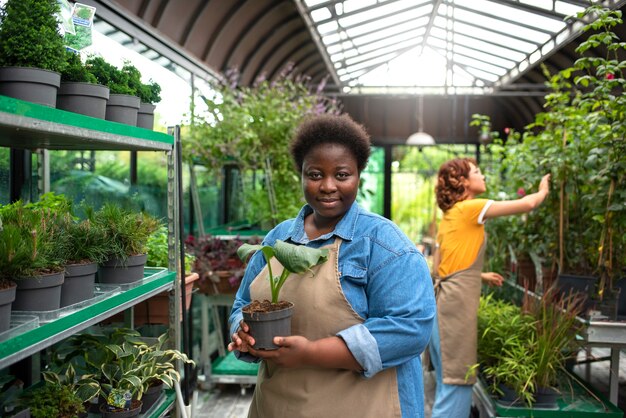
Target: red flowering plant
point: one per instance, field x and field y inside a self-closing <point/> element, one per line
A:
<point x="217" y="263"/>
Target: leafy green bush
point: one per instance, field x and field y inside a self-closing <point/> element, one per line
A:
<point x="53" y="400"/>
<point x="117" y="80"/>
<point x="29" y="35"/>
<point x="75" y="70"/>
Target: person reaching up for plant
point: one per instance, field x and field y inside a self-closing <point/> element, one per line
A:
<point x="457" y="271"/>
<point x="362" y="317"/>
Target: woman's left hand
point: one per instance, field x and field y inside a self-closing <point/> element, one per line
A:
<point x="492" y="279"/>
<point x="293" y="351"/>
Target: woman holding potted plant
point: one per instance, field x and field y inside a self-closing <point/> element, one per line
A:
<point x="458" y="275"/>
<point x="362" y="318"/>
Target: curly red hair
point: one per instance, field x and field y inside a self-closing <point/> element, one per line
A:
<point x="450" y="188"/>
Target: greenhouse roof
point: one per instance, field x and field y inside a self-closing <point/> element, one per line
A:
<point x="467" y="45"/>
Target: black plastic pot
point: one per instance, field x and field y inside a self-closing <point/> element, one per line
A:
<point x="264" y="326"/>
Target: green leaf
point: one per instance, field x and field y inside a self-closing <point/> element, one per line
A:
<point x="298" y="258"/>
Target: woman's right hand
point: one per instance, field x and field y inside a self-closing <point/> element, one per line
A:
<point x="241" y="340"/>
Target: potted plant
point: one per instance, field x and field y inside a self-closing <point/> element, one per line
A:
<point x="149" y="95"/>
<point x="522" y="350"/>
<point x="126" y="233"/>
<point x="217" y="263"/>
<point x="52" y="400"/>
<point x="29" y="254"/>
<point x="270" y="318"/>
<point x="123" y="102"/>
<point x="26" y="72"/>
<point x="84" y="247"/>
<point x="80" y="91"/>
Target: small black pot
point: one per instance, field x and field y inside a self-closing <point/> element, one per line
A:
<point x="264" y="326"/>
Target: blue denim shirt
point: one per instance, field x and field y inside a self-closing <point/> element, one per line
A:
<point x="387" y="282"/>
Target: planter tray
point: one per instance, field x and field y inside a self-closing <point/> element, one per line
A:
<point x="19" y="324"/>
<point x="149" y="274"/>
<point x="229" y="370"/>
<point x="577" y="401"/>
<point x="101" y="292"/>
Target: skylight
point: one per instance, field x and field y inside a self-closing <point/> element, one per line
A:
<point x="436" y="45"/>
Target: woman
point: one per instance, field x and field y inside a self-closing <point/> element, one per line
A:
<point x="355" y="346"/>
<point x="458" y="273"/>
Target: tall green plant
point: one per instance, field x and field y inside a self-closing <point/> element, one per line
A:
<point x="294" y="259"/>
<point x="250" y="128"/>
<point x="29" y="35"/>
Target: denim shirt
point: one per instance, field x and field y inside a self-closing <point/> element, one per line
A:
<point x="387" y="282"/>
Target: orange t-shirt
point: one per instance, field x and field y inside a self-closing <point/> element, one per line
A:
<point x="461" y="233"/>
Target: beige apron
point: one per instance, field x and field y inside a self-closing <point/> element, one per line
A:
<point x="320" y="310"/>
<point x="458" y="296"/>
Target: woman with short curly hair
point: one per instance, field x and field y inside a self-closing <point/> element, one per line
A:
<point x="458" y="274"/>
<point x="361" y="319"/>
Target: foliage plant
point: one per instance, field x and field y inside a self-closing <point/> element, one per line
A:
<point x="579" y="138"/>
<point x="84" y="387"/>
<point x="149" y="92"/>
<point x="75" y="70"/>
<point x="293" y="258"/>
<point x="158" y="252"/>
<point x="250" y="128"/>
<point x="29" y="35"/>
<point x="53" y="400"/>
<point x="213" y="254"/>
<point x="83" y="241"/>
<point x="119" y="81"/>
<point x="127" y="232"/>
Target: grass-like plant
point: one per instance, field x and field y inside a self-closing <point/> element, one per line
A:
<point x="125" y="231"/>
<point x="294" y="259"/>
<point x="30" y="237"/>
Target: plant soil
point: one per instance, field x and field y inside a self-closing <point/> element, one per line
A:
<point x="6" y="284"/>
<point x="265" y="306"/>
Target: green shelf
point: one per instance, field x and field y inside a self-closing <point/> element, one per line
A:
<point x="34" y="340"/>
<point x="29" y="125"/>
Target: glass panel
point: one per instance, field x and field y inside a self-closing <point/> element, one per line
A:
<point x="414" y="173"/>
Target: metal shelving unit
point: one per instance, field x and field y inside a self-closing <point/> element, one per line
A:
<point x="25" y="125"/>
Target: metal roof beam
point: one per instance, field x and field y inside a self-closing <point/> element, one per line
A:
<point x="308" y="21"/>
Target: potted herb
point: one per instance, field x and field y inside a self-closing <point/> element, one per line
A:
<point x="26" y="72"/>
<point x="123" y="102"/>
<point x="217" y="263"/>
<point x="126" y="233"/>
<point x="80" y="91"/>
<point x="149" y="95"/>
<point x="29" y="254"/>
<point x="267" y="319"/>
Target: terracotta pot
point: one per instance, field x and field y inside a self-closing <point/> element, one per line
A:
<point x="217" y="283"/>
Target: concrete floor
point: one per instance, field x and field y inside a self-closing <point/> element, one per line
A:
<point x="232" y="401"/>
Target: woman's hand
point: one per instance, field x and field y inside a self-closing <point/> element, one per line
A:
<point x="293" y="351"/>
<point x="492" y="279"/>
<point x="241" y="340"/>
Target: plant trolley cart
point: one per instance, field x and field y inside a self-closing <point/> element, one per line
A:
<point x="24" y="125"/>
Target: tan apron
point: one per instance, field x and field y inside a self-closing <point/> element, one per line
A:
<point x="321" y="310"/>
<point x="458" y="296"/>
